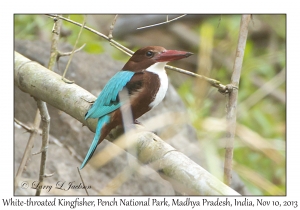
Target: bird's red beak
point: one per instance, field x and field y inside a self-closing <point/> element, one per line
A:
<point x="171" y="55"/>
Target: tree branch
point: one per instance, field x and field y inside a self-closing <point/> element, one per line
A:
<point x="232" y="98"/>
<point x="165" y="22"/>
<point x="110" y="36"/>
<point x="184" y="174"/>
<point x="30" y="143"/>
<point x="54" y="42"/>
<point x="61" y="54"/>
<point x="45" y="141"/>
<point x="215" y="83"/>
<point x="73" y="52"/>
<point x="42" y="105"/>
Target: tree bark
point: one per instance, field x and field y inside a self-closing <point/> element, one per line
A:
<point x="185" y="175"/>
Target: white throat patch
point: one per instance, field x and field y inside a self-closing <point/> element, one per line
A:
<point x="159" y="69"/>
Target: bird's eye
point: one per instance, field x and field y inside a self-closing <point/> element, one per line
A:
<point x="149" y="54"/>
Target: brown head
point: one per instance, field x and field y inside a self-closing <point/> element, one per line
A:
<point x="147" y="56"/>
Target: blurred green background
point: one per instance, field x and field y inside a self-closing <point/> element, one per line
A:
<point x="259" y="154"/>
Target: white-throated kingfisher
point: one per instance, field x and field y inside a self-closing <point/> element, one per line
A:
<point x="146" y="80"/>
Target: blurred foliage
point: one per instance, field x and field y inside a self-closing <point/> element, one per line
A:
<point x="38" y="26"/>
<point x="265" y="57"/>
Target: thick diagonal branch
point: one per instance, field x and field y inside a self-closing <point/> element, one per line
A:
<point x="185" y="175"/>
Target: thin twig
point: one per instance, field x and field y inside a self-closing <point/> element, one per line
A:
<point x="30" y="143"/>
<point x="45" y="140"/>
<point x="73" y="51"/>
<point x="61" y="54"/>
<point x="215" y="83"/>
<point x="165" y="22"/>
<point x="82" y="181"/>
<point x="54" y="42"/>
<point x="26" y="127"/>
<point x="121" y="49"/>
<point x="39" y="152"/>
<point x="93" y="31"/>
<point x="110" y="36"/>
<point x="232" y="98"/>
<point x="42" y="106"/>
<point x="51" y="140"/>
<point x="37" y="120"/>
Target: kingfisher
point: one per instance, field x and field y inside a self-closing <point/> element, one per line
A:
<point x="146" y="81"/>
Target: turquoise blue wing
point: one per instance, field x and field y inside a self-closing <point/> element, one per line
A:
<point x="107" y="100"/>
<point x="101" y="122"/>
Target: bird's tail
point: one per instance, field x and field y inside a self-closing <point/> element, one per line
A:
<point x="103" y="120"/>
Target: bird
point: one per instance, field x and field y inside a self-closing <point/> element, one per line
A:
<point x="146" y="81"/>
